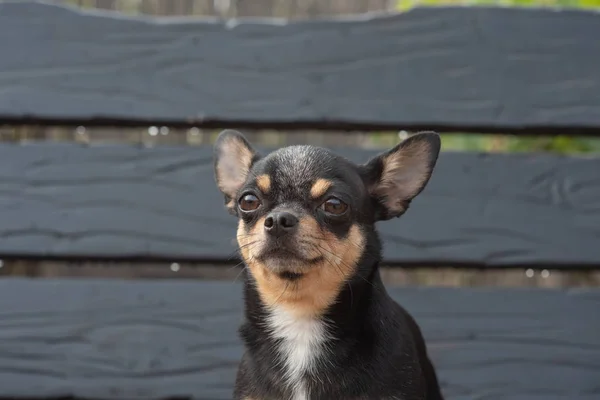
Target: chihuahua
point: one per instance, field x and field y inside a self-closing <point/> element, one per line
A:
<point x="319" y="323"/>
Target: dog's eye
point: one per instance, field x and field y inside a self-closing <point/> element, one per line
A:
<point x="249" y="202"/>
<point x="334" y="206"/>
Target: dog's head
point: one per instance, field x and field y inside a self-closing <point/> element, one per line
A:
<point x="305" y="213"/>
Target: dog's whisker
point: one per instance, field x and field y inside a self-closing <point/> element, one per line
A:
<point x="236" y="265"/>
<point x="344" y="278"/>
<point x="239" y="273"/>
<point x="355" y="245"/>
<point x="283" y="292"/>
<point x="346" y="265"/>
<point x="237" y="250"/>
<point x="248" y="244"/>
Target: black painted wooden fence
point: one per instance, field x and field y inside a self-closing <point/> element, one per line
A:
<point x="158" y="340"/>
<point x="450" y="68"/>
<point x="70" y="201"/>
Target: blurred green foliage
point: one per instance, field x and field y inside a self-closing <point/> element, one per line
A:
<point x="511" y="143"/>
<point x="404" y="5"/>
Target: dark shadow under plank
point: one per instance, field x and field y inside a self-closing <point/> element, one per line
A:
<point x="447" y="68"/>
<point x="123" y="340"/>
<point x="63" y="201"/>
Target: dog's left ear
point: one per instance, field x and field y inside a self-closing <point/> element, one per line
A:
<point x="397" y="176"/>
<point x="233" y="159"/>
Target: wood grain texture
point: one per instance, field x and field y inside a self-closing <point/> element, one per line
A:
<point x="448" y="68"/>
<point x="125" y="202"/>
<point x="128" y="340"/>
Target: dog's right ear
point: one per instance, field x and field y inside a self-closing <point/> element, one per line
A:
<point x="396" y="176"/>
<point x="233" y="158"/>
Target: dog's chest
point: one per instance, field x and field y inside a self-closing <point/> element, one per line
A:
<point x="301" y="347"/>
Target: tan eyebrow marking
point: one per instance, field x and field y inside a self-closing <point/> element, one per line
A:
<point x="264" y="183"/>
<point x="320" y="187"/>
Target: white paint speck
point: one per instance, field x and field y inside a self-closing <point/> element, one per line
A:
<point x="529" y="273"/>
<point x="175" y="267"/>
<point x="153" y="131"/>
<point x="545" y="273"/>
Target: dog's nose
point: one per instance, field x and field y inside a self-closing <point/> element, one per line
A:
<point x="280" y="223"/>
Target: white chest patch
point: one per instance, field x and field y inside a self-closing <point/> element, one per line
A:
<point x="302" y="345"/>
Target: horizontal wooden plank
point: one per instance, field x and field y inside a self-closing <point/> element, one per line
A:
<point x="127" y="202"/>
<point x="447" y="68"/>
<point x="115" y="340"/>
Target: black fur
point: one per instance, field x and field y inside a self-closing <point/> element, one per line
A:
<point x="377" y="351"/>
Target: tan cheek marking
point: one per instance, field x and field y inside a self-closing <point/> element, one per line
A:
<point x="318" y="289"/>
<point x="319" y="188"/>
<point x="251" y="240"/>
<point x="323" y="283"/>
<point x="268" y="284"/>
<point x="264" y="183"/>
